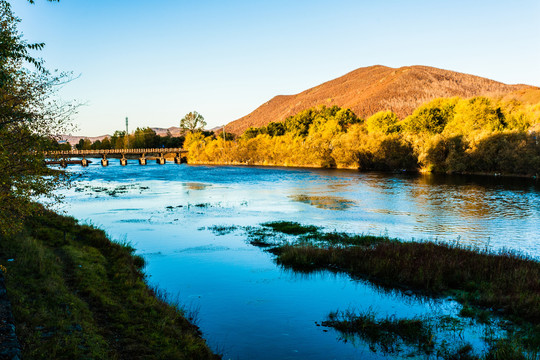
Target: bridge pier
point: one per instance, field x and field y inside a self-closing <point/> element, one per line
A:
<point x="104" y="161"/>
<point x="177" y="158"/>
<point x="123" y="160"/>
<point x="142" y="159"/>
<point x="161" y="160"/>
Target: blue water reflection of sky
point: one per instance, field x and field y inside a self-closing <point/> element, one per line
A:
<point x="247" y="306"/>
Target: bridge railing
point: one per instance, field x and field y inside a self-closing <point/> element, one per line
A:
<point x="114" y="151"/>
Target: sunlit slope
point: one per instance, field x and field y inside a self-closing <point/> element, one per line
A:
<point x="375" y="88"/>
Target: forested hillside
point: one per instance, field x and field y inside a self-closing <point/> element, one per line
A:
<point x="446" y="135"/>
<point x="376" y="88"/>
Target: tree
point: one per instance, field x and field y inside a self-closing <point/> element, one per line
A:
<point x="144" y="138"/>
<point x="28" y="114"/>
<point x="385" y="122"/>
<point x="431" y="117"/>
<point x="192" y="122"/>
<point x="478" y="114"/>
<point x="84" y="144"/>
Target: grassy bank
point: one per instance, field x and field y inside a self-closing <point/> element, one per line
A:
<point x="77" y="295"/>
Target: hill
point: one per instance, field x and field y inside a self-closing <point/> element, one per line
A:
<point x="371" y="89"/>
<point x="74" y="139"/>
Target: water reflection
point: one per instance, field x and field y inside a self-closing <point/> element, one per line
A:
<point x="324" y="202"/>
<point x="195" y="186"/>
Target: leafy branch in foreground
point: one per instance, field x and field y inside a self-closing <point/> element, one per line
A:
<point x="29" y="115"/>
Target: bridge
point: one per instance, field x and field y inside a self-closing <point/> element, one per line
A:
<point x="61" y="157"/>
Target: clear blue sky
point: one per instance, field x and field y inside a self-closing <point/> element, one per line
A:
<point x="154" y="61"/>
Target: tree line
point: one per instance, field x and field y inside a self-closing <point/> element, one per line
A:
<point x="446" y="135"/>
<point x="142" y="138"/>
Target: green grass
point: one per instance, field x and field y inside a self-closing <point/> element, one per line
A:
<point x="77" y="295"/>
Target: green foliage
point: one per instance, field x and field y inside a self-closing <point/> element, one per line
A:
<point x="385" y="122"/>
<point x="476" y="114"/>
<point x="251" y="132"/>
<point x="50" y="143"/>
<point x="28" y="116"/>
<point x="275" y="129"/>
<point x="444" y="154"/>
<point x="83" y="144"/>
<point x="142" y="138"/>
<point x="227" y="136"/>
<point x="305" y="121"/>
<point x="431" y="117"/>
<point x="445" y="135"/>
<point x="301" y="123"/>
<point x="192" y="121"/>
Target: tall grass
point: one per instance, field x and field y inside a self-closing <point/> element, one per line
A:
<point x="389" y="334"/>
<point x="504" y="281"/>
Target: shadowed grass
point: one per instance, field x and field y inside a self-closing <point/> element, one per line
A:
<point x="77" y="295"/>
<point x="290" y="227"/>
<point x="340" y="238"/>
<point x="417" y="337"/>
<point x="389" y="334"/>
<point x="222" y="229"/>
<point x="504" y="281"/>
<point x="499" y="349"/>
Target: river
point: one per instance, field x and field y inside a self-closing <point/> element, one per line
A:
<point x="248" y="307"/>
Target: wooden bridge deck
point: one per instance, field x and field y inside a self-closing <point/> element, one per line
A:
<point x="68" y="153"/>
<point x="59" y="157"/>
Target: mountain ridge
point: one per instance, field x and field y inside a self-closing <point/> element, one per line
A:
<point x="368" y="90"/>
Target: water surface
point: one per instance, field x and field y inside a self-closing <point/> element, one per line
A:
<point x="249" y="308"/>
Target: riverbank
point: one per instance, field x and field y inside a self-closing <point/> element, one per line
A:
<point x="439" y="137"/>
<point x="355" y="168"/>
<point x="75" y="294"/>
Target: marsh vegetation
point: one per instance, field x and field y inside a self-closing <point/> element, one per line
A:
<point x="490" y="285"/>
